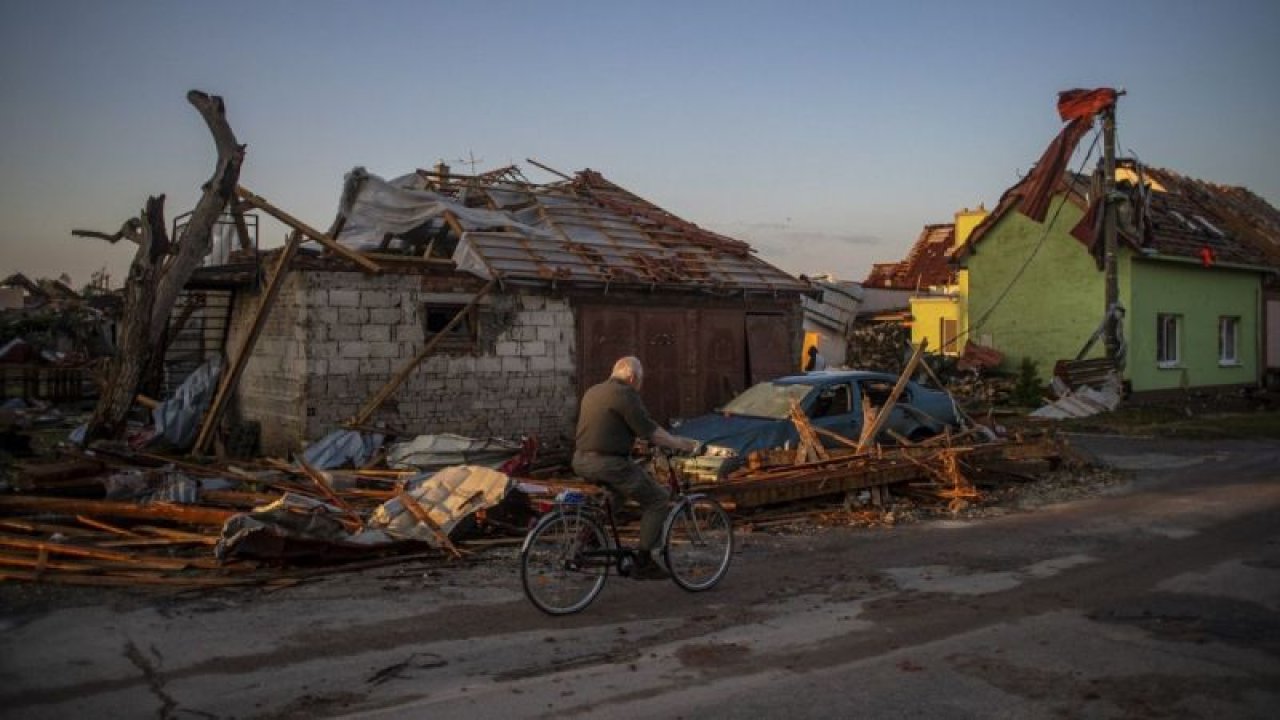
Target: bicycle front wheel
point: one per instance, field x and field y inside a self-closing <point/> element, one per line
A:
<point x="698" y="543"/>
<point x="564" y="562"/>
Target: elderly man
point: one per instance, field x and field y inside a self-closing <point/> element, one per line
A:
<point x="610" y="419"/>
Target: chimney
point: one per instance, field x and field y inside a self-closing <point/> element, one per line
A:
<point x="442" y="173"/>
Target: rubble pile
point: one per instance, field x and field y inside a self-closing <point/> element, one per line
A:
<point x="883" y="346"/>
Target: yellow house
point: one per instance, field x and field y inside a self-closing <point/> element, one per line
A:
<point x="938" y="303"/>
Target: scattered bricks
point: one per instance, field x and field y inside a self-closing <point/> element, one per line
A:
<point x="375" y="334"/>
<point x="344" y="298"/>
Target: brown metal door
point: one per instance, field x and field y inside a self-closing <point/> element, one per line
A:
<point x="722" y="360"/>
<point x="769" y="347"/>
<point x="607" y="334"/>
<point x="663" y="352"/>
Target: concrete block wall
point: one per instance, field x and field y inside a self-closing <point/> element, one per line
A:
<point x="272" y="390"/>
<point x="519" y="379"/>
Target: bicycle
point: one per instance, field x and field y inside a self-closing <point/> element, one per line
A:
<point x="567" y="555"/>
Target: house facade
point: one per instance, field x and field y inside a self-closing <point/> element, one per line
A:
<point x="937" y="298"/>
<point x="1191" y="283"/>
<point x="550" y="284"/>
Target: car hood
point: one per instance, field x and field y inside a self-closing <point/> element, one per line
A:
<point x="741" y="433"/>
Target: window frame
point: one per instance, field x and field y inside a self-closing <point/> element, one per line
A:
<point x="949" y="344"/>
<point x="1165" y="321"/>
<point x="463" y="337"/>
<point x="1232" y="322"/>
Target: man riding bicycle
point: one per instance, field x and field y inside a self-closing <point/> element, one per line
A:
<point x="611" y="418"/>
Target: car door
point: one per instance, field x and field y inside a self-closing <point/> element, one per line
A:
<point x="833" y="408"/>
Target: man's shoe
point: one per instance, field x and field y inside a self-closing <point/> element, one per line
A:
<point x="649" y="571"/>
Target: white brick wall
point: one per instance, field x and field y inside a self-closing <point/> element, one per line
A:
<point x="334" y="339"/>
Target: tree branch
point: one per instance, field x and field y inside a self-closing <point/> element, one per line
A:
<point x="131" y="230"/>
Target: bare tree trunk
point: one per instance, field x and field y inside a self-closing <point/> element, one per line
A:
<point x="159" y="271"/>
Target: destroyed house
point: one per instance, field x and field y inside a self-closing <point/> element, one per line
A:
<point x="485" y="305"/>
<point x="1196" y="266"/>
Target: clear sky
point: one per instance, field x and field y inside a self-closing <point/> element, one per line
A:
<point x="824" y="133"/>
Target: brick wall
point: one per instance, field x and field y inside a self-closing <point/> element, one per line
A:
<point x="336" y="338"/>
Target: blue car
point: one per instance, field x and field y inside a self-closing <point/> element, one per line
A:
<point x="759" y="418"/>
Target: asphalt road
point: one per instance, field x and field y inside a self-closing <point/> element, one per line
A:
<point x="1159" y="598"/>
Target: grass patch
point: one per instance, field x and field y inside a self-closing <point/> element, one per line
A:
<point x="1174" y="422"/>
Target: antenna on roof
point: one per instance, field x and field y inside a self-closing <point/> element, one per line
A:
<point x="471" y="160"/>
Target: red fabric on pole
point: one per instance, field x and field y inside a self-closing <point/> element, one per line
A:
<point x="1079" y="107"/>
<point x="1073" y="104"/>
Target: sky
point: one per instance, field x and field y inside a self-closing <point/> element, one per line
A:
<point x="826" y="134"/>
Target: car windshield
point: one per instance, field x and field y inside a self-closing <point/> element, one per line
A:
<point x="767" y="400"/>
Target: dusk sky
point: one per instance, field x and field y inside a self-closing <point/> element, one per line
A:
<point x="826" y="134"/>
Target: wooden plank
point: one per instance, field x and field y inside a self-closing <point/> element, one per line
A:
<point x="41" y="562"/>
<point x="320" y="481"/>
<point x="424" y="517"/>
<point x="130" y="580"/>
<point x="190" y="514"/>
<point x="882" y="416"/>
<point x="93" y="553"/>
<point x="106" y="527"/>
<point x="307" y="230"/>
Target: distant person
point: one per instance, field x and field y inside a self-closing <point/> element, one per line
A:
<point x="612" y="416"/>
<point x="815" y="361"/>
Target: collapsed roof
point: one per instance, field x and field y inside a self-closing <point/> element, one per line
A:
<point x="1164" y="214"/>
<point x="927" y="265"/>
<point x="582" y="230"/>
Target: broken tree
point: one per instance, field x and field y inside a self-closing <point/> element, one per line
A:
<point x="159" y="271"/>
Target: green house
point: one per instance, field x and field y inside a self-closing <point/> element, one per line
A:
<point x="1196" y="265"/>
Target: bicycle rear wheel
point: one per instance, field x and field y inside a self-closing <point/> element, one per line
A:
<point x="564" y="562"/>
<point x="698" y="543"/>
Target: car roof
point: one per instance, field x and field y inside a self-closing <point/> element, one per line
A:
<point x="823" y="377"/>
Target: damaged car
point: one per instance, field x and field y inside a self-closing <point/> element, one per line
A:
<point x="759" y="418"/>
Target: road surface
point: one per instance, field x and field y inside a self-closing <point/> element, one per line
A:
<point x="1157" y="598"/>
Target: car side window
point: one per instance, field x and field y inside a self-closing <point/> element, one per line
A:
<point x="877" y="392"/>
<point x="832" y="400"/>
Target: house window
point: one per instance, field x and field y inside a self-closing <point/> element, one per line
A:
<point x="1167" y="339"/>
<point x="436" y="317"/>
<point x="947" y="331"/>
<point x="1228" y="340"/>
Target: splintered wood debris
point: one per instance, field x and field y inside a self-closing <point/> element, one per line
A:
<point x="147" y="520"/>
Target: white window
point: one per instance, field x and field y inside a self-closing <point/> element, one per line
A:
<point x="1228" y="340"/>
<point x="1167" y="339"/>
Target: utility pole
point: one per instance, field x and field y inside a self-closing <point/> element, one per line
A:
<point x="1111" y="336"/>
